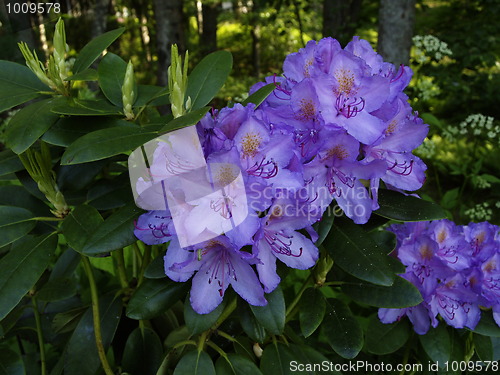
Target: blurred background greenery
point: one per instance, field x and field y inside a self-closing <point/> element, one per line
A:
<point x="453" y="49"/>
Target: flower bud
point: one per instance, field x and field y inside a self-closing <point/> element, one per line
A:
<point x="177" y="83"/>
<point x="129" y="92"/>
<point x="324" y="265"/>
<point x="60" y="49"/>
<point x="35" y="65"/>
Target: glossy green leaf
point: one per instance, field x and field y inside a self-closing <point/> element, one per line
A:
<point x="251" y="325"/>
<point x="487" y="325"/>
<point x="236" y="365"/>
<point x="260" y="95"/>
<point x="9" y="163"/>
<point x="386" y="338"/>
<point x="243" y="346"/>
<point x="11" y="363"/>
<point x="116" y="232"/>
<point x="311" y="311"/>
<point x="154" y="296"/>
<point x="342" y="330"/>
<point x="195" y="363"/>
<point x="483" y="347"/>
<point x="397" y="206"/>
<point x="94" y="48"/>
<point x="30" y="123"/>
<point x="187" y="120"/>
<point x="143" y="352"/>
<point x="68" y="320"/>
<point x="198" y="323"/>
<point x="81" y="223"/>
<point x="82" y="357"/>
<point x="357" y="253"/>
<point x="208" y="77"/>
<point x="147" y="94"/>
<point x="276" y="360"/>
<point x="79" y="176"/>
<point x="68" y="129"/>
<point x="272" y="316"/>
<point x="105" y="143"/>
<point x="17" y="196"/>
<point x="65" y="265"/>
<point x="18" y="84"/>
<point x="14" y="223"/>
<point x="22" y="267"/>
<point x="400" y="294"/>
<point x="84" y="75"/>
<point x="437" y="344"/>
<point x="156" y="269"/>
<point x="111" y="71"/>
<point x="87" y="108"/>
<point x="57" y="290"/>
<point x="110" y="194"/>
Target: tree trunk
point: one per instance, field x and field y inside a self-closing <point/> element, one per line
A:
<point x="340" y="19"/>
<point x="395" y="30"/>
<point x="168" y="18"/>
<point x="208" y="36"/>
<point x="99" y="17"/>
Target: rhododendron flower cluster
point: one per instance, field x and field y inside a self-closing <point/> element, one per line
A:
<point x="336" y="125"/>
<point x="455" y="268"/>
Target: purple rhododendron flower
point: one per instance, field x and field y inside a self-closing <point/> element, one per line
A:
<point x="455" y="268"/>
<point x="335" y="126"/>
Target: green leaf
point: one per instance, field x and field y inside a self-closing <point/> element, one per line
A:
<point x="143" y="352"/>
<point x="386" y="338"/>
<point x="195" y="363"/>
<point x="22" y="267"/>
<point x="397" y="206"/>
<point x="57" y="290"/>
<point x="358" y="254"/>
<point x="111" y="71"/>
<point x="105" y="143"/>
<point x="18" y="196"/>
<point x="82" y="357"/>
<point x="236" y="365"/>
<point x="272" y="316"/>
<point x="187" y="120"/>
<point x="311" y="311"/>
<point x="30" y="123"/>
<point x="9" y="163"/>
<point x="437" y="344"/>
<point x="198" y="323"/>
<point x="154" y="296"/>
<point x="68" y="320"/>
<point x="156" y="269"/>
<point x="260" y="95"/>
<point x="18" y="84"/>
<point x="14" y="223"/>
<point x="84" y="75"/>
<point x="342" y="330"/>
<point x="68" y="129"/>
<point x="250" y="324"/>
<point x="87" y="108"/>
<point x="80" y="225"/>
<point x="116" y="232"/>
<point x="148" y="93"/>
<point x="487" y="325"/>
<point x="400" y="294"/>
<point x="483" y="347"/>
<point x="276" y="360"/>
<point x="208" y="77"/>
<point x="66" y="265"/>
<point x="94" y="48"/>
<point x="11" y="363"/>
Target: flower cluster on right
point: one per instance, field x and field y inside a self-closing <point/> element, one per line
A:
<point x="456" y="269"/>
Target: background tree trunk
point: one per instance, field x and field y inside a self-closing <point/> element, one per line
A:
<point x="99" y="17"/>
<point x="340" y="19"/>
<point x="208" y="36"/>
<point x="395" y="30"/>
<point x="168" y="18"/>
